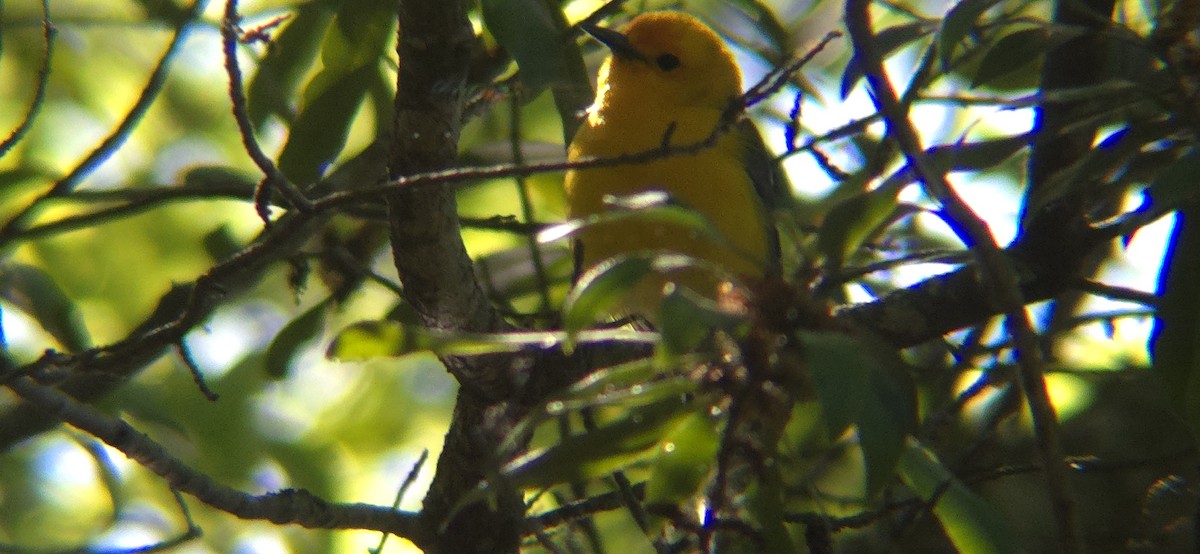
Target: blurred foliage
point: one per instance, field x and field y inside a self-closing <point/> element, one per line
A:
<point x="328" y="381"/>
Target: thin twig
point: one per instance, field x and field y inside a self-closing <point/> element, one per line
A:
<point x="584" y="508"/>
<point x="185" y="355"/>
<point x="273" y="178"/>
<point x="295" y="506"/>
<point x="43" y="77"/>
<point x="122" y="132"/>
<point x="1120" y="293"/>
<point x="159" y="197"/>
<point x="778" y="77"/>
<point x="408" y="482"/>
<point x="535" y="250"/>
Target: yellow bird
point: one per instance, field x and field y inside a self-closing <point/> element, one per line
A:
<point x="669" y="75"/>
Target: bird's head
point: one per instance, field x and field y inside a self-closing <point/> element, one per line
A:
<point x="667" y="59"/>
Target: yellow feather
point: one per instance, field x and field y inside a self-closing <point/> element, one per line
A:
<point x="670" y="71"/>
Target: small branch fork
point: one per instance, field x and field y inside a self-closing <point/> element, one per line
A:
<point x="273" y="178"/>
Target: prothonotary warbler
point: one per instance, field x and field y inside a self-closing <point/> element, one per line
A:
<point x="669" y="75"/>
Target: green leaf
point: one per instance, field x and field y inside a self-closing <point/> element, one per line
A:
<point x="35" y="292"/>
<point x="618" y="376"/>
<point x="851" y="222"/>
<point x="292" y="53"/>
<point x="1175" y="339"/>
<point x="1011" y="53"/>
<point x="766" y="24"/>
<point x="961" y="156"/>
<point x="18" y="181"/>
<point x="319" y="133"/>
<point x="220" y="243"/>
<point x="841" y="374"/>
<point x="652" y="207"/>
<point x="297" y="333"/>
<point x="861" y="382"/>
<point x="1176" y="185"/>
<point x="599" y="291"/>
<point x="686" y="318"/>
<point x="887" y="417"/>
<point x="537" y="36"/>
<point x="1111" y="156"/>
<point x="611" y="395"/>
<point x="219" y="177"/>
<point x="533" y="33"/>
<point x="360" y="31"/>
<point x="685" y="456"/>
<point x="1018" y="50"/>
<point x="958" y="23"/>
<point x="765" y="502"/>
<point x="366" y="340"/>
<point x="350" y="54"/>
<point x="970" y="522"/>
<point x="974" y="156"/>
<point x="599" y="451"/>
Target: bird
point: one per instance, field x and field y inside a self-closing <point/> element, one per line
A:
<point x="669" y="78"/>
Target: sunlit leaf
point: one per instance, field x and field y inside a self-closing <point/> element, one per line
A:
<point x="622" y="396"/>
<point x="599" y="291"/>
<point x="373" y="339"/>
<point x="970" y="522"/>
<point x="635" y="210"/>
<point x="684" y="459"/>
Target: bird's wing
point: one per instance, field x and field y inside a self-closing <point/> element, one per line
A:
<point x="770" y="183"/>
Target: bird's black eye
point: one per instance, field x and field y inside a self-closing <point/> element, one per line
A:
<point x="667" y="62"/>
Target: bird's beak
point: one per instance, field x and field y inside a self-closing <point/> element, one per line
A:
<point x="616" y="41"/>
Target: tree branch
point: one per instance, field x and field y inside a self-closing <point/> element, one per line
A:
<point x="435" y="45"/>
<point x="1000" y="281"/>
<point x="295" y="506"/>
